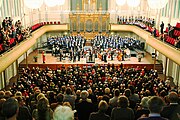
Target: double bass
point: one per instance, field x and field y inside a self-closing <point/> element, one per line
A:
<point x="119" y="56"/>
<point x="99" y="56"/>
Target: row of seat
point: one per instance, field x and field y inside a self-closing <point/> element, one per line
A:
<point x="170" y="40"/>
<point x="38" y="25"/>
<point x="177" y="25"/>
<point x="176" y="32"/>
<point x="51" y="23"/>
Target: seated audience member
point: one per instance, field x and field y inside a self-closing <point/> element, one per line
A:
<point x="173" y="109"/>
<point x="84" y="107"/>
<point x="8" y="94"/>
<point x="63" y="113"/>
<point x="155" y="105"/>
<point x="59" y="99"/>
<point x="24" y="112"/>
<point x="10" y="109"/>
<point x="43" y="112"/>
<point x="2" y="100"/>
<point x="113" y="101"/>
<point x="142" y="111"/>
<point x="100" y="115"/>
<point x="122" y="112"/>
<point x="2" y="94"/>
<point x="68" y="97"/>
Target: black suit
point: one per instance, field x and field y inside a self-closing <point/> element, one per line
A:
<point x="99" y="116"/>
<point x="84" y="109"/>
<point x="171" y="111"/>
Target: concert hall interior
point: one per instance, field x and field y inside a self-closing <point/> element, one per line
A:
<point x="93" y="48"/>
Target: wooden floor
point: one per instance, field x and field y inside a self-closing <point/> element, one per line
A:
<point x="52" y="60"/>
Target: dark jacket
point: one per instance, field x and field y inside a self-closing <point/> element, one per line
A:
<point x="99" y="116"/>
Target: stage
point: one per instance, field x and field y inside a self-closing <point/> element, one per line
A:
<point x="54" y="62"/>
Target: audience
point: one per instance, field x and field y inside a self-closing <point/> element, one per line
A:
<point x="83" y="88"/>
<point x="12" y="34"/>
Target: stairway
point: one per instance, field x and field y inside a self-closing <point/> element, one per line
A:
<point x="21" y="66"/>
<point x="159" y="68"/>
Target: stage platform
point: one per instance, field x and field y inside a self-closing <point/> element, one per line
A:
<point x="54" y="62"/>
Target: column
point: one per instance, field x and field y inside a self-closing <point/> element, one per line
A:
<point x="4" y="75"/>
<point x="17" y="68"/>
<point x="170" y="10"/>
<point x="165" y="68"/>
<point x="26" y="60"/>
<point x="177" y="76"/>
<point x="155" y="59"/>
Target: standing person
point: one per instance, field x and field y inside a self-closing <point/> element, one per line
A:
<point x="139" y="56"/>
<point x="162" y="27"/>
<point x="154" y="32"/>
<point x="43" y="57"/>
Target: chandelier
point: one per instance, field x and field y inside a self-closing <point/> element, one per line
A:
<point x="35" y="4"/>
<point x="131" y="3"/>
<point x="157" y="4"/>
<point x="120" y="2"/>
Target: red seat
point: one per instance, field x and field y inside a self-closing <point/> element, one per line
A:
<point x="48" y="23"/>
<point x="150" y="29"/>
<point x="54" y="22"/>
<point x="166" y="30"/>
<point x="51" y="23"/>
<point x="59" y="22"/>
<point x="178" y="25"/>
<point x="177" y="33"/>
<point x="157" y="33"/>
<point x="1" y="47"/>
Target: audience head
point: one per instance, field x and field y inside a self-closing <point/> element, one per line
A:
<point x="144" y="102"/>
<point x="18" y="93"/>
<point x="123" y="102"/>
<point x="103" y="106"/>
<point x="155" y="104"/>
<point x="10" y="108"/>
<point x="39" y="96"/>
<point x="8" y="94"/>
<point x="127" y="92"/>
<point x="107" y="90"/>
<point x="116" y="92"/>
<point x="84" y="95"/>
<point x="173" y="97"/>
<point x="43" y="104"/>
<point x="68" y="90"/>
<point x="2" y="94"/>
<point x="60" y="98"/>
<point x="67" y="104"/>
<point x="63" y="113"/>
